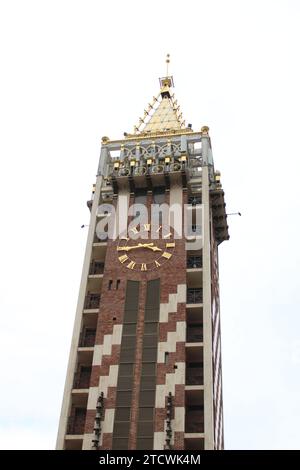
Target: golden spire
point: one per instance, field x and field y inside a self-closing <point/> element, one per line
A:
<point x="162" y="115"/>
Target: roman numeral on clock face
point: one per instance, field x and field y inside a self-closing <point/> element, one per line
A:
<point x="131" y="265"/>
<point x="144" y="267"/>
<point x="166" y="255"/>
<point x="170" y="245"/>
<point x="123" y="258"/>
<point x="134" y="230"/>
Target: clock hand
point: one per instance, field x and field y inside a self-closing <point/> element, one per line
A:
<point x="134" y="247"/>
<point x="127" y="248"/>
<point x="140" y="245"/>
<point x="153" y="248"/>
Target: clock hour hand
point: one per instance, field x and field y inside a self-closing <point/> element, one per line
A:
<point x="153" y="248"/>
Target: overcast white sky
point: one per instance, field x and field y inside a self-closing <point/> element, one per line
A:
<point x="73" y="71"/>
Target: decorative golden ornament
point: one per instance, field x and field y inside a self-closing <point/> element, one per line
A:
<point x="204" y="130"/>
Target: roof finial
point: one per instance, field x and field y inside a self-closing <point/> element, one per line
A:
<point x="167" y="62"/>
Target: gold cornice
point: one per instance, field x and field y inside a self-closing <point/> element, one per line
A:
<point x="133" y="137"/>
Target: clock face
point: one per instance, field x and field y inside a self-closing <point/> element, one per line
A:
<point x="138" y="253"/>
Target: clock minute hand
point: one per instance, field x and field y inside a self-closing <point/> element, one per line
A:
<point x="134" y="247"/>
<point x="127" y="248"/>
<point x="140" y="245"/>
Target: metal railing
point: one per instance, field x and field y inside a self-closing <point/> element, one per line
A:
<point x="82" y="378"/>
<point x="194" y="422"/>
<point x="76" y="423"/>
<point x="92" y="301"/>
<point x="96" y="267"/>
<point x="194" y="334"/>
<point x="194" y="296"/>
<point x="126" y="170"/>
<point x="194" y="262"/>
<point x="194" y="376"/>
<point x="87" y="337"/>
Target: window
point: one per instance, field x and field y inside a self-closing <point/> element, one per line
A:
<point x="129" y="329"/>
<point x="131" y="302"/>
<point x="152" y="314"/>
<point x="149" y="368"/>
<point x="144" y="443"/>
<point x="125" y="369"/>
<point x="145" y="429"/>
<point x="150" y="328"/>
<point x="118" y="284"/>
<point x="110" y="284"/>
<point x="150" y="341"/>
<point x="121" y="428"/>
<point x="127" y="355"/>
<point x="146" y="414"/>
<point x="149" y="354"/>
<point x="147" y="398"/>
<point x="148" y="382"/>
<point x="124" y="398"/>
<point x="120" y="443"/>
<point x="125" y="383"/>
<point x="128" y="343"/>
<point x="166" y="358"/>
<point x="122" y="414"/>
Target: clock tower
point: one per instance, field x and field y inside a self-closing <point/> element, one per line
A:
<point x="144" y="369"/>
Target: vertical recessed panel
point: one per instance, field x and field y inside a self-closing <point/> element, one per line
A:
<point x="126" y="365"/>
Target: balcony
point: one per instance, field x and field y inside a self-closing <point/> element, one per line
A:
<point x="194" y="273"/>
<point x="133" y="165"/>
<point x="76" y="421"/>
<point x="194" y="373"/>
<point x="92" y="301"/>
<point x="82" y="377"/>
<point x="73" y="443"/>
<point x="194" y="296"/>
<point x="87" y="338"/>
<point x="96" y="267"/>
<point x="191" y="443"/>
<point x="85" y="355"/>
<point x="194" y="419"/>
<point x="194" y="333"/>
<point x="194" y="262"/>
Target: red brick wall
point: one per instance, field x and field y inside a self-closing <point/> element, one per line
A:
<point x="171" y="273"/>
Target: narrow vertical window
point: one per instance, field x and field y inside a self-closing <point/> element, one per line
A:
<point x="166" y="358"/>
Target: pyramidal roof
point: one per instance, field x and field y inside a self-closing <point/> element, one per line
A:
<point x="163" y="113"/>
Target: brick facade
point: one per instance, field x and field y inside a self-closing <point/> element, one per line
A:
<point x="172" y="273"/>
